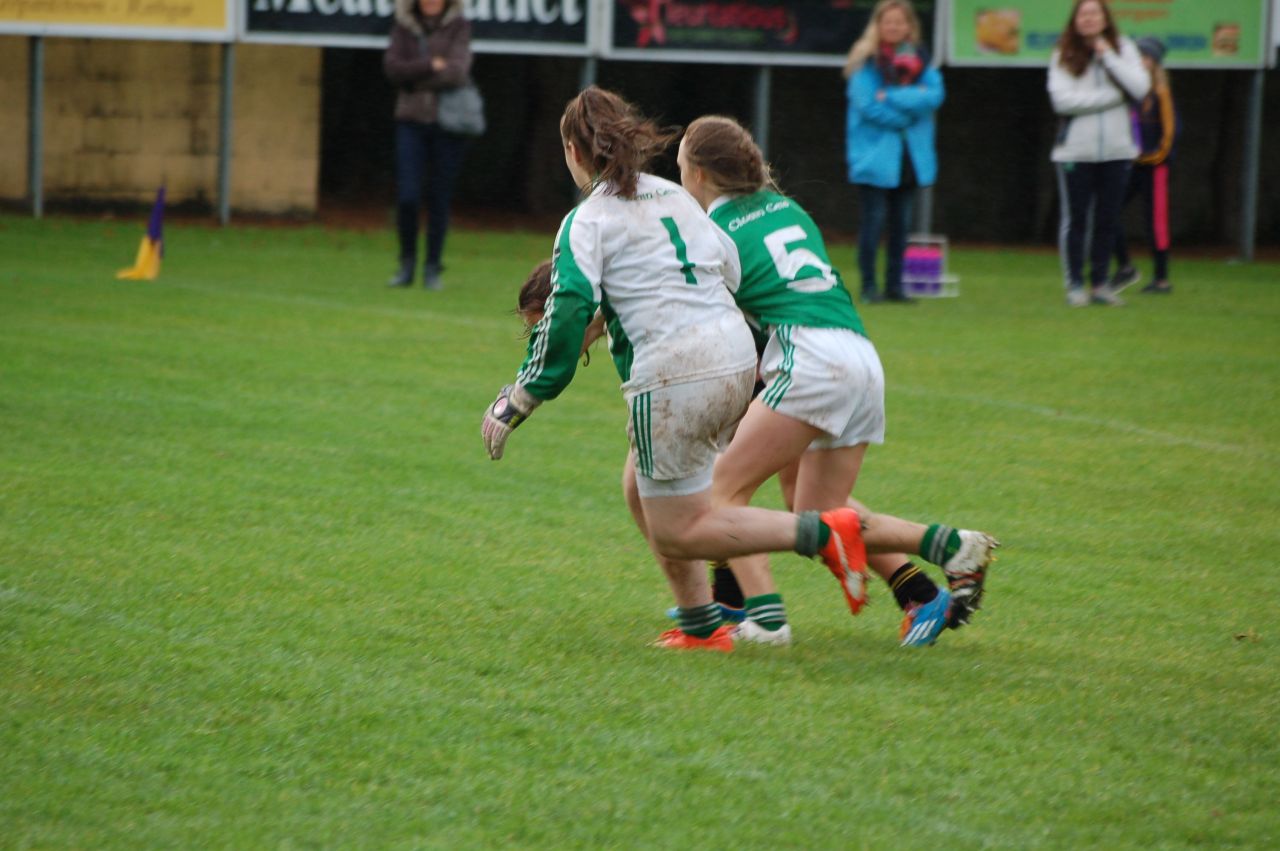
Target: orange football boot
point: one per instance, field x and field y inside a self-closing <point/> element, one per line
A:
<point x="846" y="555"/>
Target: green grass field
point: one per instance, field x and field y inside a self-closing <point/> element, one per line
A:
<point x="260" y="587"/>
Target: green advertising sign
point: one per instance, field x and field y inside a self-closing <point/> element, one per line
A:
<point x="1197" y="33"/>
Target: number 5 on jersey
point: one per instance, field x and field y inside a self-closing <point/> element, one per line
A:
<point x="790" y="262"/>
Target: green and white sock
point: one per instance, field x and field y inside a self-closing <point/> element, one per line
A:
<point x="940" y="543"/>
<point x="767" y="611"/>
<point x="700" y="621"/>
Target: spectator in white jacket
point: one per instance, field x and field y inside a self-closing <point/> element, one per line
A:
<point x="1094" y="74"/>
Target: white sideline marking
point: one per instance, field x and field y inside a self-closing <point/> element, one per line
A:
<point x="1115" y="425"/>
<point x="78" y="611"/>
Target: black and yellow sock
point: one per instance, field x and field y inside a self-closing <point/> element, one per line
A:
<point x="910" y="585"/>
<point x="724" y="586"/>
<point x="767" y="611"/>
<point x="700" y="621"/>
<point x="939" y="544"/>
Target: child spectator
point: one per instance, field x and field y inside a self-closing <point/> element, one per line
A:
<point x="1156" y="123"/>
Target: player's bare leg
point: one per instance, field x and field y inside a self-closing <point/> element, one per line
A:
<point x="767" y="442"/>
<point x="687" y="578"/>
<point x="699" y="618"/>
<point x="884" y="565"/>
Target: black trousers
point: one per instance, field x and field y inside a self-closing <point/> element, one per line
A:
<point x="425" y="154"/>
<point x="1091" y="195"/>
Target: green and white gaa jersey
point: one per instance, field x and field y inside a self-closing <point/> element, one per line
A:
<point x="787" y="277"/>
<point x="657" y="267"/>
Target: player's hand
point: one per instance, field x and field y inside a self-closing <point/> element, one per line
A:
<point x="512" y="407"/>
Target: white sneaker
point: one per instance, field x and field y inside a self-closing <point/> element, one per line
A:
<point x="1123" y="278"/>
<point x="750" y="632"/>
<point x="967" y="574"/>
<point x="1077" y="297"/>
<point x="1106" y="295"/>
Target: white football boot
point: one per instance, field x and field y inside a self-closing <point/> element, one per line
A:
<point x="750" y="632"/>
<point x="966" y="574"/>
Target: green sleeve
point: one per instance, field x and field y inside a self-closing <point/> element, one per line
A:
<point x="556" y="340"/>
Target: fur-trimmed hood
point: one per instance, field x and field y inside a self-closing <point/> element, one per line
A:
<point x="407" y="14"/>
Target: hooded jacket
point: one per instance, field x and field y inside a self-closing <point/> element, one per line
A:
<point x="878" y="132"/>
<point x="415" y="41"/>
<point x="1094" y="107"/>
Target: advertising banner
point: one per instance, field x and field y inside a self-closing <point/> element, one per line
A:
<point x="1274" y="56"/>
<point x="770" y="32"/>
<point x="556" y="27"/>
<point x="1197" y="33"/>
<point x="178" y="20"/>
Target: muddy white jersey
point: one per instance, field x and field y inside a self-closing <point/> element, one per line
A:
<point x="656" y="266"/>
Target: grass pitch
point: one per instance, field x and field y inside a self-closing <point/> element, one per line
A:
<point x="261" y="587"/>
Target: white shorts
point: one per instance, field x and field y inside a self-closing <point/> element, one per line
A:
<point x="676" y="431"/>
<point x="830" y="378"/>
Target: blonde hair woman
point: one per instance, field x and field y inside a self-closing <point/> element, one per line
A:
<point x="893" y="93"/>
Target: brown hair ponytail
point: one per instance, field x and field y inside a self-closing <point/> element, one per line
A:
<point x="724" y="149"/>
<point x="615" y="140"/>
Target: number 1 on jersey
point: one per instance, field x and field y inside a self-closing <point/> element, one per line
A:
<point x="682" y="253"/>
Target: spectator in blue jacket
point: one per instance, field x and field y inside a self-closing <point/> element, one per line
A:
<point x="893" y="93"/>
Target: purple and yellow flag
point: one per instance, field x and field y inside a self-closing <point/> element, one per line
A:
<point x="147" y="265"/>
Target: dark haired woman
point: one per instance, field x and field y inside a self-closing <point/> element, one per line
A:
<point x="641" y="249"/>
<point x="429" y="51"/>
<point x="1093" y="76"/>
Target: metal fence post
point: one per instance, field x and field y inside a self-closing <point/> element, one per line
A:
<point x="224" y="132"/>
<point x="1249" y="176"/>
<point x="35" y="126"/>
<point x="764" y="94"/>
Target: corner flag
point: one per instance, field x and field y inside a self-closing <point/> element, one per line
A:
<point x="147" y="264"/>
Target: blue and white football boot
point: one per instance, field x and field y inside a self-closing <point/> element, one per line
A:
<point x="924" y="621"/>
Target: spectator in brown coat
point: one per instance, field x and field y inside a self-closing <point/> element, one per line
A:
<point x="429" y="51"/>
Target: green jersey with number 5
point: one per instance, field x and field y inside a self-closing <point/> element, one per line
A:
<point x="787" y="277"/>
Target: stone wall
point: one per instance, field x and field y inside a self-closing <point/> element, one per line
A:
<point x="13" y="117"/>
<point x="121" y="117"/>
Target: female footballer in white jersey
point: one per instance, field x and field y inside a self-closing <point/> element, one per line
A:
<point x="641" y="250"/>
<point x="823" y="400"/>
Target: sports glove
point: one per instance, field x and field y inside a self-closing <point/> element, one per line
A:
<point x="512" y="407"/>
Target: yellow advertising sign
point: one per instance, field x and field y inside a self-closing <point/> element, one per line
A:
<point x="144" y="18"/>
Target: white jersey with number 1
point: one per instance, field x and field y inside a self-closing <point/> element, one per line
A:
<point x="658" y="268"/>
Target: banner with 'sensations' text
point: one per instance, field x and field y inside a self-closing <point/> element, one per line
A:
<point x="183" y="20"/>
<point x="744" y="31"/>
<point x="1196" y="33"/>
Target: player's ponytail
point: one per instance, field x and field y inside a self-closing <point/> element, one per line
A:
<point x="615" y="140"/>
<point x="725" y="151"/>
